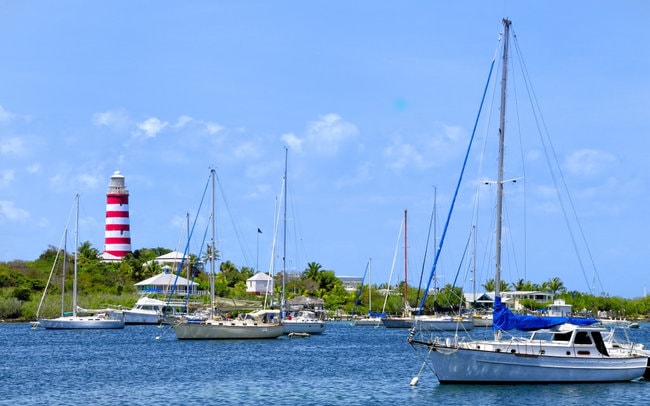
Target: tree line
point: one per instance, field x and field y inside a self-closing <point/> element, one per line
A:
<point x="102" y="284"/>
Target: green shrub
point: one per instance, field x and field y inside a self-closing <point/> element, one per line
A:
<point x="10" y="308"/>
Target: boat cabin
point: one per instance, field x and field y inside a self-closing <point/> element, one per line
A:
<point x="583" y="340"/>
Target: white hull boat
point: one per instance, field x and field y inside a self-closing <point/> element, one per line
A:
<point x="81" y="323"/>
<point x="368" y="321"/>
<point x="109" y="319"/>
<point x="303" y="322"/>
<point x="227" y="330"/>
<point x="145" y="311"/>
<point x="536" y="361"/>
<point x="443" y="323"/>
<point x="561" y="349"/>
<point x="255" y="325"/>
<point x="482" y="320"/>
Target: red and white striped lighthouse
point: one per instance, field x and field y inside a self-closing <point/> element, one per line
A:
<point x="117" y="241"/>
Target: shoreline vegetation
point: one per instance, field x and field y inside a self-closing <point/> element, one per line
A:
<point x="112" y="284"/>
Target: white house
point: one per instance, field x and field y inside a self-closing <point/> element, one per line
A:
<point x="559" y="308"/>
<point x="165" y="282"/>
<point x="350" y="283"/>
<point x="173" y="258"/>
<point x="260" y="283"/>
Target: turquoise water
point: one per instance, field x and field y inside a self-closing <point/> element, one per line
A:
<point x="346" y="365"/>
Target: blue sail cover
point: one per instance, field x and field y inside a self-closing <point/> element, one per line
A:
<point x="504" y="319"/>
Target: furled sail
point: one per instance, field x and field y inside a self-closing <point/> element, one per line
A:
<point x="504" y="319"/>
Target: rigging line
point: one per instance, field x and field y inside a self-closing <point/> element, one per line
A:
<point x="238" y="233"/>
<point x="276" y="223"/>
<point x="465" y="250"/>
<point x="541" y="125"/>
<point x="511" y="243"/>
<point x="297" y="241"/>
<point x="356" y="301"/>
<point x="392" y="268"/>
<point x="205" y="233"/>
<point x="477" y="193"/>
<point x="56" y="257"/>
<point x="462" y="172"/>
<point x="521" y="154"/>
<point x="426" y="247"/>
<point x="187" y="245"/>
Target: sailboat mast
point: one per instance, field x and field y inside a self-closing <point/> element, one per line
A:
<point x="284" y="236"/>
<point x="76" y="256"/>
<point x="435" y="245"/>
<point x="65" y="259"/>
<point x="369" y="288"/>
<point x="502" y="125"/>
<point x="406" y="285"/>
<point x="212" y="248"/>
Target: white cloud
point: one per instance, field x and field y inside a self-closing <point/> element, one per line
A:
<point x="12" y="146"/>
<point x="113" y="119"/>
<point x="34" y="168"/>
<point x="294" y="143"/>
<point x="57" y="181"/>
<point x="329" y="132"/>
<point x="152" y="126"/>
<point x="401" y="154"/>
<point x="589" y="162"/>
<point x="10" y="212"/>
<point x="6" y="178"/>
<point x="247" y="150"/>
<point x="324" y="135"/>
<point x="213" y="128"/>
<point x="183" y="121"/>
<point x="5" y="116"/>
<point x="88" y="180"/>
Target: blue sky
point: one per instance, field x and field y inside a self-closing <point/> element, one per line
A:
<point x="375" y="101"/>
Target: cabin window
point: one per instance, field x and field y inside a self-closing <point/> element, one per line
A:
<point x="600" y="344"/>
<point x="562" y="336"/>
<point x="583" y="338"/>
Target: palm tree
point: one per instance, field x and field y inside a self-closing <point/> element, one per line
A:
<point x="207" y="255"/>
<point x="489" y="286"/>
<point x="554" y="286"/>
<point x="312" y="271"/>
<point x="519" y="285"/>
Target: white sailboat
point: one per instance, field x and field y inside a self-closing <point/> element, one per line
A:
<point x="75" y="321"/>
<point x="371" y="319"/>
<point x="214" y="327"/>
<point x="406" y="319"/>
<point x="560" y="350"/>
<point x="304" y="321"/>
<point x="441" y="322"/>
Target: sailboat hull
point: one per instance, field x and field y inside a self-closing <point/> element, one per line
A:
<point x="311" y="327"/>
<point x="397" y="322"/>
<point x="304" y="321"/>
<point x="227" y="330"/>
<point x="368" y="321"/>
<point x="136" y="316"/>
<point x="443" y="323"/>
<point x="81" y="323"/>
<point x="507" y="363"/>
